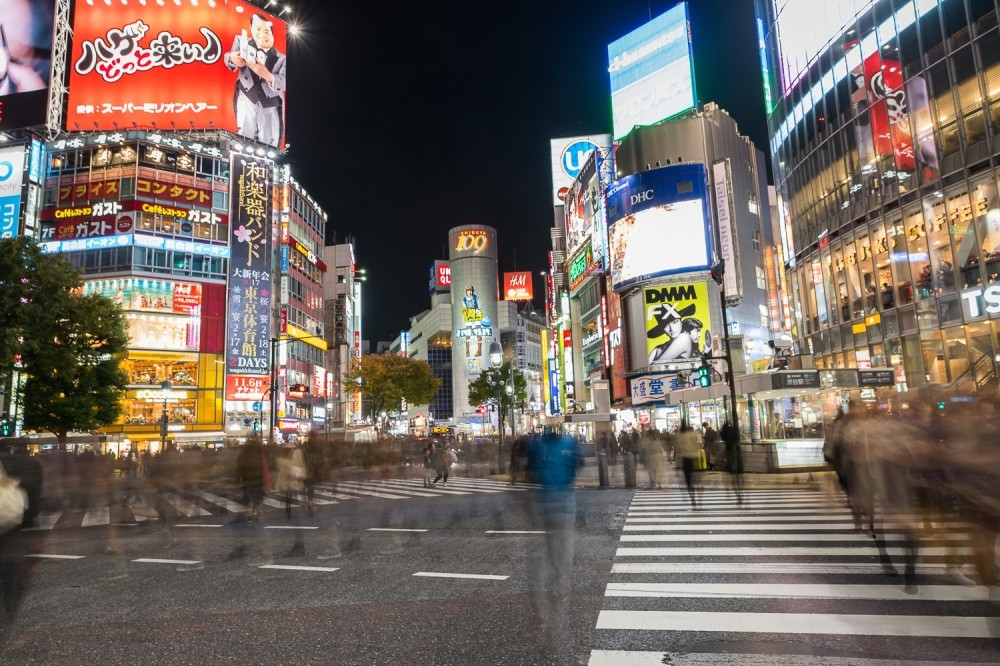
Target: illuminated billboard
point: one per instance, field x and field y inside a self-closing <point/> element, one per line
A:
<point x="652" y="72"/>
<point x="568" y="158"/>
<point x="677" y="322"/>
<point x="659" y="224"/>
<point x="517" y="286"/>
<point x="206" y="65"/>
<point x="11" y="181"/>
<point x="439" y="280"/>
<point x="25" y="62"/>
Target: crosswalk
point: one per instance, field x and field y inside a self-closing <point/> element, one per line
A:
<point x="201" y="503"/>
<point x="784" y="575"/>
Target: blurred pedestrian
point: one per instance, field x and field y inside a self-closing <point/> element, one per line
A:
<point x="651" y="452"/>
<point x="730" y="437"/>
<point x="688" y="449"/>
<point x="16" y="568"/>
<point x="441" y="464"/>
<point x="714" y="449"/>
<point x="428" y="464"/>
<point x="250" y="475"/>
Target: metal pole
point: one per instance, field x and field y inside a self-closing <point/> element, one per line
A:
<point x="274" y="391"/>
<point x="730" y="374"/>
<point x="501" y="467"/>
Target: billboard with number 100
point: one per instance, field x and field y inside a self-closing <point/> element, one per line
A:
<point x="181" y="65"/>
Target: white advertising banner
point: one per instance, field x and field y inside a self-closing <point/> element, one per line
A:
<point x="728" y="248"/>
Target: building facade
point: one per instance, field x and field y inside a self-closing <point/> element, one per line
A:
<point x="884" y="118"/>
<point x="342" y="315"/>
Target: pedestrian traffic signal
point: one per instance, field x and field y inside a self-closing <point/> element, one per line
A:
<point x="6" y="425"/>
<point x="256" y="427"/>
<point x="705" y="375"/>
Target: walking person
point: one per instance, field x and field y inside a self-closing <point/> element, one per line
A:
<point x="16" y="568"/>
<point x="428" y="465"/>
<point x="652" y="457"/>
<point x="713" y="446"/>
<point x="688" y="449"/>
<point x="441" y="464"/>
<point x="730" y="437"/>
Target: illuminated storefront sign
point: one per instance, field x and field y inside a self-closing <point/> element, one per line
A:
<point x="190" y="247"/>
<point x="154" y="65"/>
<point x="568" y="158"/>
<point x="653" y="388"/>
<point x="148" y="295"/>
<point x="81" y="244"/>
<point x="439" y="280"/>
<point x="517" y="286"/>
<point x="472" y="241"/>
<point x="578" y="268"/>
<point x="249" y="317"/>
<point x="977" y="302"/>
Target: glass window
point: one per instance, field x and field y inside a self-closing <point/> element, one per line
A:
<point x="957" y="355"/>
<point x="919" y="260"/>
<point x="981" y="353"/>
<point x="899" y="261"/>
<point x="869" y="286"/>
<point x="970" y="96"/>
<point x="932" y="351"/>
<point x="986" y="211"/>
<point x="963" y="236"/>
<point x="855" y="289"/>
<point x="944" y="109"/>
<point x="942" y="261"/>
<point x="883" y="275"/>
<point x="989" y="55"/>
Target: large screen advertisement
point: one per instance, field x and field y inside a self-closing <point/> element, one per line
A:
<point x="568" y="158"/>
<point x="11" y="182"/>
<point x="206" y="65"/>
<point x="659" y="224"/>
<point x="25" y="61"/>
<point x="652" y="72"/>
<point x="677" y="326"/>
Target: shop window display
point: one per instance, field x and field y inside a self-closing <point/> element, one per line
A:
<point x="153" y="372"/>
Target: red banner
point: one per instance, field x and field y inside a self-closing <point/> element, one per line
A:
<point x="157" y="65"/>
<point x="251" y="389"/>
<point x="517" y="286"/>
<point x="890" y="123"/>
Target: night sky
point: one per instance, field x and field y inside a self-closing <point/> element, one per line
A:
<point x="407" y="119"/>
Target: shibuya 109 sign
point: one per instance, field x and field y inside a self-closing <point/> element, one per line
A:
<point x="208" y="65"/>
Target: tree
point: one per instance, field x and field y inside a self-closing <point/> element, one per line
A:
<point x="386" y="380"/>
<point x="491" y="387"/>
<point x="68" y="347"/>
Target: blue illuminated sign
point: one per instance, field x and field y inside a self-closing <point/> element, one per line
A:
<point x="81" y="244"/>
<point x="191" y="247"/>
<point x="652" y="72"/>
<point x="575" y="156"/>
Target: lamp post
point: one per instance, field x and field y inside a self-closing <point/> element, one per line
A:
<point x="166" y="386"/>
<point x="496" y="360"/>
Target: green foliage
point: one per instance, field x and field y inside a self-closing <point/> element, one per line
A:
<point x="69" y="346"/>
<point x="490" y="387"/>
<point x="386" y="380"/>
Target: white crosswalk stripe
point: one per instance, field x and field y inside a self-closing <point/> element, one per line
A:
<point x="785" y="565"/>
<point x="199" y="503"/>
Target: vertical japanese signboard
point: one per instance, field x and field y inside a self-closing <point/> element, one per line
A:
<point x="249" y="314"/>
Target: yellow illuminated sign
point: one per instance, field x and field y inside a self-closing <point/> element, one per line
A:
<point x="474" y="241"/>
<point x="308" y="338"/>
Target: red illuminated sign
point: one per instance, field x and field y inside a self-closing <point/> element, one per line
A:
<point x="241" y="387"/>
<point x="444" y="275"/>
<point x="211" y="65"/>
<point x="517" y="286"/>
<point x="187" y="298"/>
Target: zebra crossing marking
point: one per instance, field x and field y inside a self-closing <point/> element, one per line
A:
<point x="936" y="626"/>
<point x="795" y="591"/>
<point x="189" y="509"/>
<point x="748" y="536"/>
<point x="790" y="568"/>
<point x="751" y="551"/>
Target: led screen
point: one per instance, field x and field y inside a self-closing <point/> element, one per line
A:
<point x="652" y="72"/>
<point x="25" y="62"/>
<point x="201" y="66"/>
<point x="659" y="224"/>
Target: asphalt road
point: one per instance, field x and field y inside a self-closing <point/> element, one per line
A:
<point x="449" y="576"/>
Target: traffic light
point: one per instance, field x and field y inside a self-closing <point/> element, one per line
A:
<point x="6" y="425"/>
<point x="256" y="427"/>
<point x="298" y="388"/>
<point x="705" y="375"/>
<point x="718" y="272"/>
<point x="481" y="409"/>
<point x="941" y="404"/>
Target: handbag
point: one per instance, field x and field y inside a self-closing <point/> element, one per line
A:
<point x="13" y="502"/>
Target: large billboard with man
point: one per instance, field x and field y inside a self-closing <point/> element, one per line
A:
<point x="155" y="65"/>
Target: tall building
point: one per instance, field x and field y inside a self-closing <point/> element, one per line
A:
<point x="884" y="118"/>
<point x="342" y="315"/>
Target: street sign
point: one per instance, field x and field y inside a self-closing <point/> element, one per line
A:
<point x="258" y="406"/>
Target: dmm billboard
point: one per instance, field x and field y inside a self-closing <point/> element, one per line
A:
<point x="205" y="65"/>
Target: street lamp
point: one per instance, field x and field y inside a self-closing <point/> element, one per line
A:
<point x="496" y="360"/>
<point x="166" y="386"/>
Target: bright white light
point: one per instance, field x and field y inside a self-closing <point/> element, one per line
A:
<point x="260" y="151"/>
<point x="271" y="154"/>
<point x="293" y="29"/>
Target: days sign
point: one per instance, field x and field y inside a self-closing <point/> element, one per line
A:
<point x="11" y="181"/>
<point x="517" y="286"/>
<point x="212" y="65"/>
<point x="653" y="388"/>
<point x="677" y="322"/>
<point x="876" y="377"/>
<point x="249" y="313"/>
<point x="652" y="72"/>
<point x="25" y="62"/>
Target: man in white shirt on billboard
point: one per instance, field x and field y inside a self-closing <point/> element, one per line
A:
<point x="259" y="100"/>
